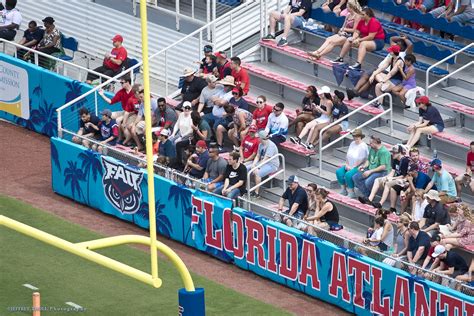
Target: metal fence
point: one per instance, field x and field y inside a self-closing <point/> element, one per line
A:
<point x="371" y="252"/>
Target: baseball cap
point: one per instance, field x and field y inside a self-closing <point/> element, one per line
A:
<point x="292" y="179"/>
<point x="252" y="128"/>
<point x="436" y="162"/>
<point x="187" y="104"/>
<point x="324" y="89"/>
<point x="201" y="143"/>
<point x="236" y="90"/>
<point x="207" y="49"/>
<point x="165" y="132"/>
<point x="394" y="49"/>
<point x="220" y="55"/>
<point x="106" y="112"/>
<point x="263" y="134"/>
<point x="117" y="38"/>
<point x="398" y="149"/>
<point x="424" y="99"/>
<point x="435" y="237"/>
<point x="438" y="250"/>
<point x="48" y="19"/>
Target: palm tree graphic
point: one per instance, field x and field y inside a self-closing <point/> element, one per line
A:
<point x="73" y="176"/>
<point x="91" y="166"/>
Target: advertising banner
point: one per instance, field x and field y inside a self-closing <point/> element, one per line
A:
<point x="30" y="95"/>
<point x="210" y="223"/>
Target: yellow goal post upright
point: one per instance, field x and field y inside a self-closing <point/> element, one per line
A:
<point x="191" y="299"/>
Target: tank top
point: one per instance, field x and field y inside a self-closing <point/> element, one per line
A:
<point x="400" y="241"/>
<point x="389" y="238"/>
<point x="397" y="75"/>
<point x="324" y="117"/>
<point x="332" y="216"/>
<point x="350" y="21"/>
<point x="410" y="82"/>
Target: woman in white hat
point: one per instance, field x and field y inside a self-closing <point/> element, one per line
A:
<point x="325" y="109"/>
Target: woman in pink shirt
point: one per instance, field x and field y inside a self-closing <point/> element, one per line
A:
<point x="368" y="37"/>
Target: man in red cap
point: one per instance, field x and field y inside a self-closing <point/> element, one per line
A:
<point x="223" y="65"/>
<point x="197" y="162"/>
<point x="113" y="61"/>
<point x="430" y="121"/>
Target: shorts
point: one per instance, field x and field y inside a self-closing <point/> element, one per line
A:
<point x="117" y="114"/>
<point x="458" y="272"/>
<point x="395" y="81"/>
<point x="140" y="128"/>
<point x="439" y="127"/>
<point x="265" y="170"/>
<point x="429" y="4"/>
<point x="379" y="44"/>
<point x="398" y="188"/>
<point x="344" y="125"/>
<point x="298" y="21"/>
<point x="382" y="246"/>
<point x="217" y="184"/>
<point x="130" y="120"/>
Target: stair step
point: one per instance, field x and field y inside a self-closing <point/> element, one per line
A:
<point x="459" y="94"/>
<point x="397" y="137"/>
<point x="326" y="179"/>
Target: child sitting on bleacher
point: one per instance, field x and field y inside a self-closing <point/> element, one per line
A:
<point x="408" y="74"/>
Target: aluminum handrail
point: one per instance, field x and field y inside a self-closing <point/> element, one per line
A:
<point x="428" y="85"/>
<point x="357" y="244"/>
<point x="140" y="63"/>
<point x="389" y="110"/>
<point x="32" y="50"/>
<point x="270" y="177"/>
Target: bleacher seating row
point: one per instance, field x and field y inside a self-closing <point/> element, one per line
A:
<point x="390" y="7"/>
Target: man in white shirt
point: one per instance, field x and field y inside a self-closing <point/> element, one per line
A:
<point x="277" y="125"/>
<point x="10" y="20"/>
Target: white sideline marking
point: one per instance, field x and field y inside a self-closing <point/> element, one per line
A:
<point x="74" y="305"/>
<point x="34" y="288"/>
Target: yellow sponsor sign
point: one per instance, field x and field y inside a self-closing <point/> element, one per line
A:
<point x="14" y="96"/>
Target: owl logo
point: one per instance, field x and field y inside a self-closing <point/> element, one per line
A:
<point x="122" y="186"/>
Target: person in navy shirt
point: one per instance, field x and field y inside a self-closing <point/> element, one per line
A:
<point x="197" y="162"/>
<point x="167" y="149"/>
<point x="430" y="121"/>
<point x="237" y="100"/>
<point x="418" y="244"/>
<point x="415" y="180"/>
<point x="297" y="201"/>
<point x="108" y="131"/>
<point x="32" y="36"/>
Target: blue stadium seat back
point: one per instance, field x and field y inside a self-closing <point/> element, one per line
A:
<point x="69" y="43"/>
<point x="132" y="62"/>
<point x="232" y="3"/>
<point x="329" y="18"/>
<point x="468" y="31"/>
<point x="432" y="51"/>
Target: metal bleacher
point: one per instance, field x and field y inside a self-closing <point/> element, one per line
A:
<point x="284" y="73"/>
<point x="94" y="25"/>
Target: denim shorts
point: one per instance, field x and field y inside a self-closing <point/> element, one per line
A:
<point x="298" y="22"/>
<point x="379" y="44"/>
<point x="440" y="128"/>
<point x="266" y="169"/>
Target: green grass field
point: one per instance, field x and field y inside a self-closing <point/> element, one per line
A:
<point x="62" y="277"/>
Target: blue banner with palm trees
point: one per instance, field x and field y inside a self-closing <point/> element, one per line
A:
<point x="47" y="92"/>
<point x="211" y="224"/>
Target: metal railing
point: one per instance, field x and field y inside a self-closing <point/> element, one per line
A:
<point x="55" y="60"/>
<point x="271" y="176"/>
<point x="321" y="132"/>
<point x="357" y="246"/>
<point x="199" y="33"/>
<point x="428" y="85"/>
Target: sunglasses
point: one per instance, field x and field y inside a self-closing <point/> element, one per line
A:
<point x="259" y="102"/>
<point x="276" y="109"/>
<point x="235" y="93"/>
<point x="187" y="108"/>
<point x="413" y="149"/>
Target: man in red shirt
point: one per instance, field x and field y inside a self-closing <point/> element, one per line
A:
<point x="249" y="147"/>
<point x="240" y="75"/>
<point x="126" y="97"/>
<point x="466" y="179"/>
<point x="223" y="65"/>
<point x="261" y="113"/>
<point x="113" y="61"/>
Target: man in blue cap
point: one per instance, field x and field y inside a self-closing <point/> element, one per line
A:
<point x="297" y="201"/>
<point x="443" y="180"/>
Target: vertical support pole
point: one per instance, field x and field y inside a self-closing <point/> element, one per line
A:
<point x="96" y="103"/>
<point x="36" y="58"/>
<point x="214" y="23"/>
<point x="60" y="123"/>
<point x="177" y="14"/>
<point x="230" y="36"/>
<point x="208" y="18"/>
<point x="149" y="145"/>
<point x="192" y="9"/>
<point x="166" y="72"/>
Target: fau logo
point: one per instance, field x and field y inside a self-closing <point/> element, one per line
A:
<point x="122" y="186"/>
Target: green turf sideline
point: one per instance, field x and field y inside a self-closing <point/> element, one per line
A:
<point x="62" y="277"/>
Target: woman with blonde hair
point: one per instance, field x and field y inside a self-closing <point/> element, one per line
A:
<point x="402" y="235"/>
<point x="354" y="14"/>
<point x="325" y="214"/>
<point x="418" y="205"/>
<point x="463" y="229"/>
